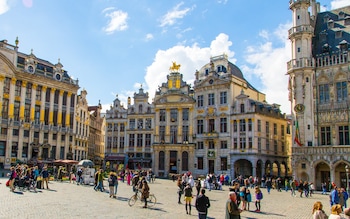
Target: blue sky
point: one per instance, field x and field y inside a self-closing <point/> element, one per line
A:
<point x="114" y="46"/>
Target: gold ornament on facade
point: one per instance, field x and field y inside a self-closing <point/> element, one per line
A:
<point x="175" y="67"/>
<point x="223" y="108"/>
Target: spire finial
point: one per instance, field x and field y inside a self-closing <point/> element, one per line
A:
<point x="16" y="41"/>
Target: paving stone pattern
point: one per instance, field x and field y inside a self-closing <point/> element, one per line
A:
<point x="65" y="200"/>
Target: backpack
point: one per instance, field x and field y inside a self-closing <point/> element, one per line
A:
<point x="261" y="195"/>
<point x="80" y="172"/>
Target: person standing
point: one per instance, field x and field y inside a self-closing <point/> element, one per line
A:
<point x="45" y="175"/>
<point x="116" y="183"/>
<point x="202" y="205"/>
<point x="232" y="210"/>
<point x="334" y="196"/>
<point x="13" y="176"/>
<point x="188" y="198"/>
<point x="145" y="192"/>
<point x="335" y="212"/>
<point x="258" y="198"/>
<point x="318" y="212"/>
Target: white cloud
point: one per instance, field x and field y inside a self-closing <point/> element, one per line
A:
<point x="173" y="15"/>
<point x="117" y="20"/>
<point x="264" y="34"/>
<point x="4" y="7"/>
<point x="190" y="58"/>
<point x="339" y="4"/>
<point x="28" y="3"/>
<point x="268" y="63"/>
<point x="149" y="37"/>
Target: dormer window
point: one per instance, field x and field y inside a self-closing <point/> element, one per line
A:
<point x="330" y="24"/>
<point x="323" y="36"/>
<point x="338" y="34"/>
<point x="326" y="18"/>
<point x="206" y="72"/>
<point x="325" y="48"/>
<point x="343" y="45"/>
<point x="341" y="15"/>
<point x="347" y="20"/>
<point x="221" y="68"/>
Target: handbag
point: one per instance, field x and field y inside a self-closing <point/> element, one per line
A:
<point x="8" y="183"/>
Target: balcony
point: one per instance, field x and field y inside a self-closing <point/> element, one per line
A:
<point x="321" y="150"/>
<point x="308" y="29"/>
<point x="292" y="3"/>
<point x="300" y="63"/>
<point x="210" y="135"/>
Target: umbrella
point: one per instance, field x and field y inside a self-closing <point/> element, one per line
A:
<point x="86" y="163"/>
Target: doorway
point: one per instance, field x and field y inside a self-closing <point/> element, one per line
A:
<point x="211" y="166"/>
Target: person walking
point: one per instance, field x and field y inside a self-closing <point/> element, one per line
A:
<point x="202" y="205"/>
<point x="13" y="176"/>
<point x="116" y="183"/>
<point x="232" y="210"/>
<point x="99" y="177"/>
<point x="111" y="183"/>
<point x="268" y="185"/>
<point x="188" y="198"/>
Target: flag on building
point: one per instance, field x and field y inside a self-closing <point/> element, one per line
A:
<point x="297" y="134"/>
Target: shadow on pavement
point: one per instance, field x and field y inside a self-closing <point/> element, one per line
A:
<point x="18" y="192"/>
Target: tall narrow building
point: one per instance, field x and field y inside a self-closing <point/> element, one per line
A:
<point x="319" y="92"/>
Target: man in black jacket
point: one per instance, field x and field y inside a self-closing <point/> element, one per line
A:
<point x="202" y="205"/>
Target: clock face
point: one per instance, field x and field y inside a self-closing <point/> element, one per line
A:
<point x="30" y="69"/>
<point x="299" y="108"/>
<point x="58" y="77"/>
<point x="211" y="81"/>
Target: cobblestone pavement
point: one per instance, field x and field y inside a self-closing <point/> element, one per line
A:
<point x="65" y="200"/>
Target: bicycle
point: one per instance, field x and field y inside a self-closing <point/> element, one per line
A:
<point x="151" y="200"/>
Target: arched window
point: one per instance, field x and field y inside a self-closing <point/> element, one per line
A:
<point x="185" y="161"/>
<point x="161" y="160"/>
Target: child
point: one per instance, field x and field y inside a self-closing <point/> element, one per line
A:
<point x="258" y="198"/>
<point x="248" y="198"/>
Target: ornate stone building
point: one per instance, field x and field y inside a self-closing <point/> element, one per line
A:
<point x="38" y="101"/>
<point x="319" y="92"/>
<point x="96" y="134"/>
<point x="80" y="148"/>
<point x="173" y="146"/>
<point x="236" y="130"/>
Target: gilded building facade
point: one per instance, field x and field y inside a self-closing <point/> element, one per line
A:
<point x="319" y="92"/>
<point x="38" y="101"/>
<point x="236" y="131"/>
<point x="173" y="146"/>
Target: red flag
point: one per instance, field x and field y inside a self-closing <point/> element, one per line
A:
<point x="297" y="134"/>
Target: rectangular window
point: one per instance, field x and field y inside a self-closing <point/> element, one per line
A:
<point x="16" y="111"/>
<point x="2" y="148"/>
<point x="200" y="163"/>
<point x="242" y="108"/>
<point x="25" y="150"/>
<point x="343" y="135"/>
<point x="242" y="143"/>
<point x="26" y="133"/>
<point x="148" y="123"/>
<point x="211" y="145"/>
<point x="250" y="142"/>
<point x="223" y="163"/>
<point x="211" y="99"/>
<point x="259" y="145"/>
<point x="121" y="142"/>
<point x="282" y="130"/>
<point x="200" y="101"/>
<point x="259" y="125"/>
<point x="173" y="134"/>
<point x="132" y="124"/>
<point x="139" y="140"/>
<point x="267" y="128"/>
<point x="211" y="125"/>
<point x="326" y="135"/>
<point x="15" y="132"/>
<point x="38" y="93"/>
<point x="342" y="94"/>
<point x="185" y="133"/>
<point x="27" y="112"/>
<point x="62" y="152"/>
<point x="162" y="133"/>
<point x="235" y="126"/>
<point x="162" y="116"/>
<point x="53" y="152"/>
<point x="200" y="127"/>
<point x="18" y="88"/>
<point x="131" y="140"/>
<point x="7" y="84"/>
<point x="173" y="115"/>
<point x="275" y="146"/>
<point x="223" y="97"/>
<point x="274" y="128"/>
<point x="29" y="91"/>
<point x="250" y="125"/>
<point x="5" y="108"/>
<point x="235" y="145"/>
<point x="37" y="114"/>
<point x="122" y="127"/>
<point x="223" y="125"/>
<point x="200" y="145"/>
<point x="140" y="124"/>
<point x="185" y="113"/>
<point x="242" y="125"/>
<point x="267" y="145"/>
<point x="223" y="144"/>
<point x="323" y="93"/>
<point x="148" y="140"/>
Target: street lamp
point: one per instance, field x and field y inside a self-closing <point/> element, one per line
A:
<point x="347" y="169"/>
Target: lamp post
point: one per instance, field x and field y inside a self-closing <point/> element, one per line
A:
<point x="347" y="169"/>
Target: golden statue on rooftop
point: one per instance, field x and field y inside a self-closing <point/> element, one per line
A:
<point x="175" y="67"/>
